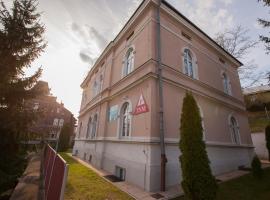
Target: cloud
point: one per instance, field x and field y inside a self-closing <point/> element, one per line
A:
<point x="212" y="16"/>
<point x="99" y="39"/>
<point x="85" y="57"/>
<point x="91" y="42"/>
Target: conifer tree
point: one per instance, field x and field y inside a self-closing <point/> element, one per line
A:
<point x="64" y="137"/>
<point x="21" y="42"/>
<point x="266" y="24"/>
<point x="198" y="182"/>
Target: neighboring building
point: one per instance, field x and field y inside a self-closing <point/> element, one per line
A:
<point x="52" y="117"/>
<point x="257" y="101"/>
<point x="118" y="127"/>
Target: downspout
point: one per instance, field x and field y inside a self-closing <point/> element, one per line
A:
<point x="163" y="158"/>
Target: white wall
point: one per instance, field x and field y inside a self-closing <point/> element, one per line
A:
<point x="258" y="140"/>
<point x="142" y="160"/>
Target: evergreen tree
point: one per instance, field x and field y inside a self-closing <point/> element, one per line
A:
<point x="21" y="39"/>
<point x="256" y="167"/>
<point x="267" y="139"/>
<point x="64" y="138"/>
<point x="266" y="24"/>
<point x="198" y="182"/>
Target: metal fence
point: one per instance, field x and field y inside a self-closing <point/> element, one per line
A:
<point x="55" y="172"/>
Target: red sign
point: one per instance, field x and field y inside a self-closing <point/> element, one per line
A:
<point x="141" y="106"/>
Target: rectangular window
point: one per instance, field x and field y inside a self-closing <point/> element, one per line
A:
<point x="186" y="35"/>
<point x="36" y="106"/>
<point x="55" y="122"/>
<point x="113" y="113"/>
<point x="120" y="173"/>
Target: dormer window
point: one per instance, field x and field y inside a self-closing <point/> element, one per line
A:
<point x="128" y="62"/>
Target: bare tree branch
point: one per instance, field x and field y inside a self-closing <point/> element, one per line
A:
<point x="238" y="43"/>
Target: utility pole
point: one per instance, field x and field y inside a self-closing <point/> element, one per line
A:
<point x="163" y="159"/>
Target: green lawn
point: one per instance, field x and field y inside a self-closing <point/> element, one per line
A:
<point x="245" y="187"/>
<point x="85" y="184"/>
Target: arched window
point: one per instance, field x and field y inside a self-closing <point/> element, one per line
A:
<point x="128" y="62"/>
<point x="80" y="129"/>
<point x="234" y="130"/>
<point x="188" y="63"/>
<point x="95" y="88"/>
<point x="94" y="127"/>
<point x="226" y="83"/>
<point x="89" y="127"/>
<point x="125" y="120"/>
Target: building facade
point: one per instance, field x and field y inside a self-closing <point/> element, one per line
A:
<point x="51" y="114"/>
<point x="118" y="126"/>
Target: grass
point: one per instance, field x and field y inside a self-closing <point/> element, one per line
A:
<point x="84" y="184"/>
<point x="246" y="187"/>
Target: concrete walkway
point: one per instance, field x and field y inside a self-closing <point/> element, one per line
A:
<point x="28" y="186"/>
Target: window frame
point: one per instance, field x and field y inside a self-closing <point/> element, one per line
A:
<point x="234" y="130"/>
<point x="226" y="83"/>
<point x="120" y="124"/>
<point x="129" y="56"/>
<point x="185" y="64"/>
<point x="89" y="127"/>
<point x="94" y="126"/>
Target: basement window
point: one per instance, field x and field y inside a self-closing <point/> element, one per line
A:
<point x="120" y="173"/>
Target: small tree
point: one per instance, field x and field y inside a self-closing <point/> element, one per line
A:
<point x="64" y="137"/>
<point x="198" y="181"/>
<point x="267" y="139"/>
<point x="256" y="167"/>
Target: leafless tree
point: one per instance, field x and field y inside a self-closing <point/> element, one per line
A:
<point x="238" y="43"/>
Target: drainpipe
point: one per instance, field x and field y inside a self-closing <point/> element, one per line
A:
<point x="163" y="158"/>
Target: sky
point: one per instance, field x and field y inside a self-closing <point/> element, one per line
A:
<point x="77" y="31"/>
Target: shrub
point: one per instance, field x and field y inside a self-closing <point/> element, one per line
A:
<point x="198" y="181"/>
<point x="256" y="167"/>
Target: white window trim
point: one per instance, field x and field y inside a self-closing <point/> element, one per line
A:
<point x="124" y="61"/>
<point x="89" y="127"/>
<point x="228" y="81"/>
<point x="96" y="128"/>
<point x="194" y="63"/>
<point x="80" y="130"/>
<point x="238" y="129"/>
<point x="119" y="124"/>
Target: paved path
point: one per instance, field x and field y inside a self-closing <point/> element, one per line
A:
<point x="28" y="186"/>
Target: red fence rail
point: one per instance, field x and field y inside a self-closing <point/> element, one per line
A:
<point x="55" y="171"/>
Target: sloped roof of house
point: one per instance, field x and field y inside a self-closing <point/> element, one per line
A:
<point x="257" y="89"/>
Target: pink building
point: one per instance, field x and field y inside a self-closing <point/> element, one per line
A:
<point x="119" y="126"/>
